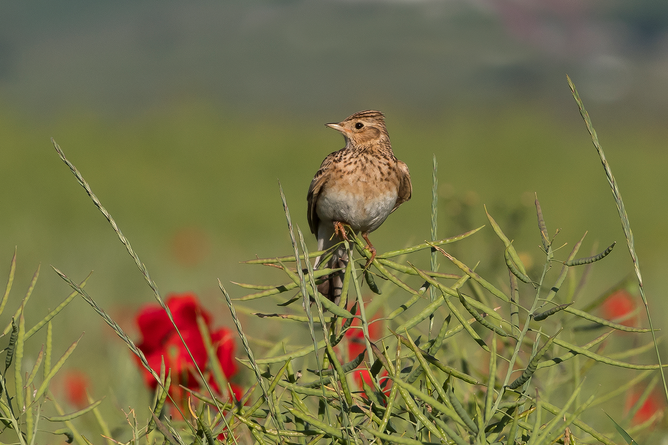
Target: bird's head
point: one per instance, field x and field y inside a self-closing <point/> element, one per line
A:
<point x="363" y="129"/>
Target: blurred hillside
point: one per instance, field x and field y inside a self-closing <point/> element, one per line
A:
<point x="265" y="58"/>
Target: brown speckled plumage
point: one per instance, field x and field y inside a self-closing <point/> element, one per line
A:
<point x="359" y="185"/>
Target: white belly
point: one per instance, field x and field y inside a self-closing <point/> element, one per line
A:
<point x="355" y="208"/>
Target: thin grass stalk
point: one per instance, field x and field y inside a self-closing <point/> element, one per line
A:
<point x="301" y="352"/>
<point x="10" y="281"/>
<point x="514" y="307"/>
<point x="43" y="388"/>
<point x="569" y="355"/>
<point x="463" y="322"/>
<point x="489" y="397"/>
<point x="564" y="271"/>
<point x="216" y="368"/>
<point x="29" y="418"/>
<point x="57" y="310"/>
<point x="35" y="368"/>
<point x="470" y="272"/>
<point x="461" y="412"/>
<point x="434" y="231"/>
<point x="311" y="277"/>
<point x="160" y="395"/>
<point x="394" y="439"/>
<point x="75" y="433"/>
<point x="322" y="426"/>
<point x="362" y="309"/>
<point x="624" y="219"/>
<point x="389" y="408"/>
<point x="444" y="407"/>
<point x="117" y="329"/>
<point x="510" y="254"/>
<point x="249" y="353"/>
<point x="535" y="429"/>
<point x="413" y="408"/>
<point x="48" y="343"/>
<point x="24" y="302"/>
<point x="107" y="215"/>
<point x="562" y="414"/>
<point x="432" y="307"/>
<point x="71" y="416"/>
<point x="644" y="425"/>
<point x="339" y="372"/>
<point x="578" y="423"/>
<point x="642" y="399"/>
<point x="305" y="294"/>
<point x="623" y="388"/>
<point x="603" y="322"/>
<point x="523" y="332"/>
<point x="272" y="386"/>
<point x="449" y="431"/>
<point x="14" y="424"/>
<point x="427" y="245"/>
<point x="32" y="421"/>
<point x="137" y="260"/>
<point x="602" y="359"/>
<point x="446" y="369"/>
<point x="363" y="319"/>
<point x="102" y="423"/>
<point x="18" y="361"/>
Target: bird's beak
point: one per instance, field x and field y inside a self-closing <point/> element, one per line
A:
<point x="336" y="127"/>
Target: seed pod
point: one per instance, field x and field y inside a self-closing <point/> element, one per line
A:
<point x="542" y="227"/>
<point x="533" y="364"/>
<point x="543" y="315"/>
<point x="461" y="412"/>
<point x="371" y="282"/>
<point x="479" y="318"/>
<point x="354" y="363"/>
<point x="12" y="345"/>
<point x="510" y="263"/>
<point x="204" y="431"/>
<point x="591" y="259"/>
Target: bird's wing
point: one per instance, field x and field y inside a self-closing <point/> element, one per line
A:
<point x="405" y="186"/>
<point x="317" y="183"/>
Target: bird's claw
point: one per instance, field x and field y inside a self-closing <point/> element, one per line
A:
<point x="340" y="230"/>
<point x="371" y="249"/>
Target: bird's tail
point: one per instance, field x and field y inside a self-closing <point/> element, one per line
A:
<point x="333" y="284"/>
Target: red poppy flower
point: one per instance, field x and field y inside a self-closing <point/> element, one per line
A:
<point x="356" y="345"/>
<point x="161" y="341"/>
<point x="75" y="383"/>
<point x="620" y="306"/>
<point x="651" y="406"/>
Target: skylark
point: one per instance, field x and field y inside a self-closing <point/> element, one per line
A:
<point x="359" y="185"/>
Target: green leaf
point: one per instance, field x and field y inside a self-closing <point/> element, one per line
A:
<point x="629" y="440"/>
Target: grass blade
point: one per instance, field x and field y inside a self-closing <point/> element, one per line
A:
<point x="628" y="439"/>
<point x="623" y="217"/>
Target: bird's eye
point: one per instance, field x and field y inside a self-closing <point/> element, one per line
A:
<point x="359" y="125"/>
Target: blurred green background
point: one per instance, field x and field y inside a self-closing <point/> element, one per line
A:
<point x="183" y="117"/>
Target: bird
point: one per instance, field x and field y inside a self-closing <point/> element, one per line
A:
<point x="359" y="186"/>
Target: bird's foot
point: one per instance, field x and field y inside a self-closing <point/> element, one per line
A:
<point x="371" y="249"/>
<point x="340" y="230"/>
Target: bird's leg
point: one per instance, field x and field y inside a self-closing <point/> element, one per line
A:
<point x="371" y="249"/>
<point x="340" y="230"/>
